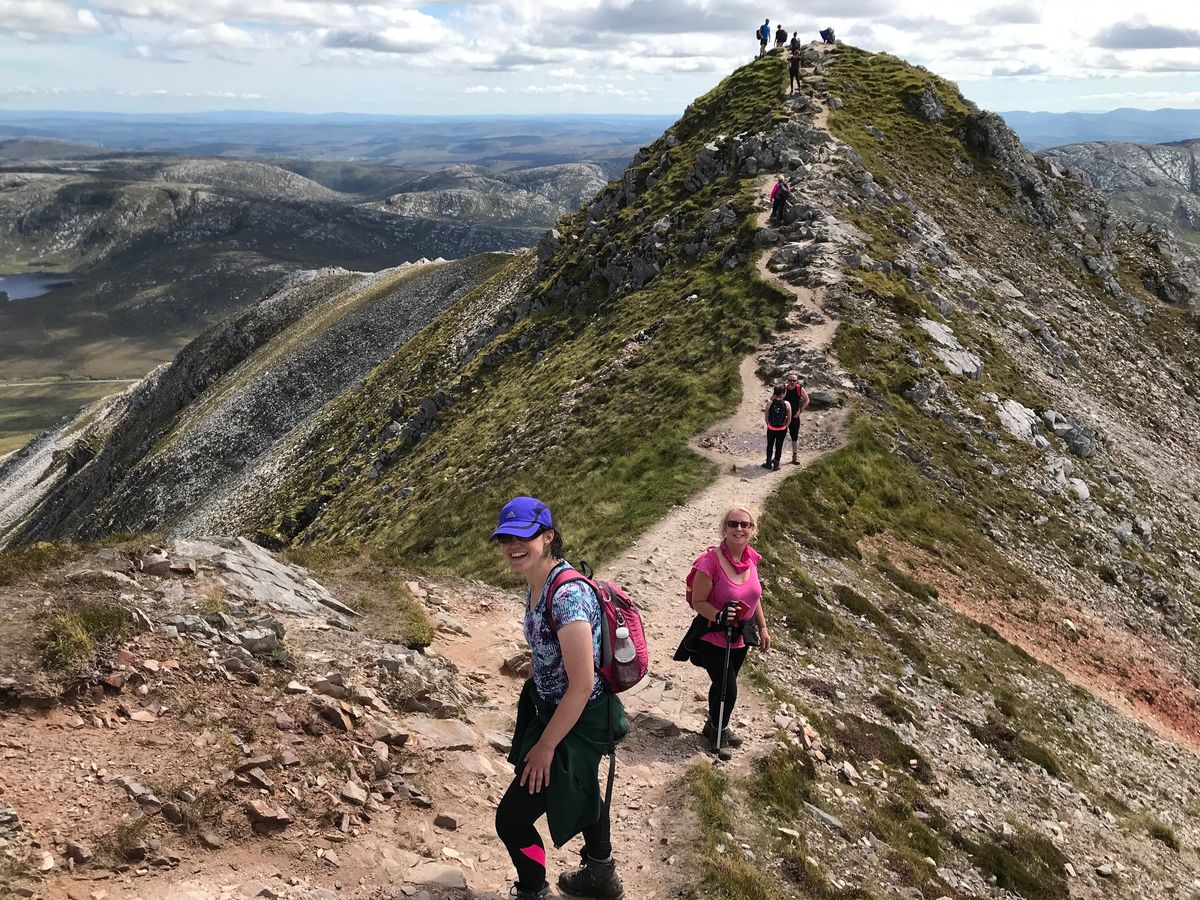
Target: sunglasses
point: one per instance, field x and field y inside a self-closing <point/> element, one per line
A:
<point x="734" y="523"/>
<point x="509" y="538"/>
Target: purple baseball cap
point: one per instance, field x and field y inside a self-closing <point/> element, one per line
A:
<point x="522" y="517"/>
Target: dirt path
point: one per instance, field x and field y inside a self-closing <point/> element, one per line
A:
<point x="651" y="824"/>
<point x="667" y="710"/>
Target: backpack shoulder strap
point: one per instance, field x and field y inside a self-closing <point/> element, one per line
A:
<point x="566" y="576"/>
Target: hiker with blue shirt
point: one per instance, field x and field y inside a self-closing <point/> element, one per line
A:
<point x="764" y="36"/>
<point x="565" y="717"/>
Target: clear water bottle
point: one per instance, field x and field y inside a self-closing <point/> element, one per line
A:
<point x="624" y="651"/>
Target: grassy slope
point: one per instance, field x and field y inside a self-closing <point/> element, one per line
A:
<point x="544" y="409"/>
<point x="811" y="534"/>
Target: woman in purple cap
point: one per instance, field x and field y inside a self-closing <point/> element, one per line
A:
<point x="565" y="717"/>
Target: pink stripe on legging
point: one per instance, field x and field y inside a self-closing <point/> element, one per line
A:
<point x="536" y="853"/>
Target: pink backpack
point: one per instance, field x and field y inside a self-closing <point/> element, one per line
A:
<point x="617" y="610"/>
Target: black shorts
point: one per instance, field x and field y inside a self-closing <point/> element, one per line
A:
<point x="794" y="427"/>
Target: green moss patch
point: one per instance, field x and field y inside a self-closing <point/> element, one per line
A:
<point x="72" y="636"/>
<point x="373" y="583"/>
<point x="1026" y="864"/>
<point x="724" y="872"/>
<point x="29" y="561"/>
<point x="872" y="741"/>
<point x="783" y="780"/>
<point x="1006" y="740"/>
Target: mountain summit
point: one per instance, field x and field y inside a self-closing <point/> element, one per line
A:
<point x="986" y="568"/>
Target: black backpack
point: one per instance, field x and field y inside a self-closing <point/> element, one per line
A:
<point x="777" y="415"/>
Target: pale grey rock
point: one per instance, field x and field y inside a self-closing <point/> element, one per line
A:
<point x="956" y="358"/>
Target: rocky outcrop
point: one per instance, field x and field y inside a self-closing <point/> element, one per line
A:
<point x="1156" y="186"/>
<point x="986" y="134"/>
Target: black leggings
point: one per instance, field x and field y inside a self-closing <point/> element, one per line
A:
<point x="515" y="815"/>
<point x="775" y="445"/>
<point x="712" y="659"/>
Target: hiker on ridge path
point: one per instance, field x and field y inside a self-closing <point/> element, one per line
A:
<point x="780" y="36"/>
<point x="778" y="416"/>
<point x="797" y="398"/>
<point x="764" y="35"/>
<point x="794" y="71"/>
<point x="781" y="192"/>
<point x="795" y="44"/>
<point x="565" y="716"/>
<point x="723" y="587"/>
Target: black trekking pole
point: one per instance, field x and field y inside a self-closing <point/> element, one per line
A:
<point x="723" y="753"/>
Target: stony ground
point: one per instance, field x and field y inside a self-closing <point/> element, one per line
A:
<point x="248" y="732"/>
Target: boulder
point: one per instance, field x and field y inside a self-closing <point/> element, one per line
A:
<point x="444" y="734"/>
<point x="956" y="358"/>
<point x="434" y="874"/>
<point x="924" y="105"/>
<point x="1017" y="419"/>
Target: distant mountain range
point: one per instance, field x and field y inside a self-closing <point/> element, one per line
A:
<point x="159" y="247"/>
<point x="499" y="142"/>
<point x="1039" y="130"/>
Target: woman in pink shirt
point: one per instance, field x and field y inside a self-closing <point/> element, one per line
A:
<point x="724" y="588"/>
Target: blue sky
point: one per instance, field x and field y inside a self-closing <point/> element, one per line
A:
<point x="593" y="56"/>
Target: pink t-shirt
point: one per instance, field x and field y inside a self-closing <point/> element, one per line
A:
<point x="725" y="590"/>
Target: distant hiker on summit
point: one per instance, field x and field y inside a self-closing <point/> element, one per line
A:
<point x="794" y="71"/>
<point x="827" y="36"/>
<point x="795" y="44"/>
<point x="724" y="590"/>
<point x="797" y="399"/>
<point x="567" y="718"/>
<point x="780" y="36"/>
<point x="781" y="193"/>
<point x="764" y="36"/>
<point x="778" y="416"/>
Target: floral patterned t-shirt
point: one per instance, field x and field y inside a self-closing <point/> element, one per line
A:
<point x="573" y="602"/>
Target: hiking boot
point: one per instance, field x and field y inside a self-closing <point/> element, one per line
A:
<point x="593" y="878"/>
<point x="728" y="738"/>
<point x="516" y="892"/>
<point x="775" y="466"/>
<point x="795" y="460"/>
<point x="766" y="465"/>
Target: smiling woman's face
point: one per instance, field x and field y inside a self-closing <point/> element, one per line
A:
<point x="738" y="527"/>
<point x="524" y="552"/>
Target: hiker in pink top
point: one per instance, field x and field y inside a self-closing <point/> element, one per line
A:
<point x="723" y="587"/>
<point x="781" y="193"/>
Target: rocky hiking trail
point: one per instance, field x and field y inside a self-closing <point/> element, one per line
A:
<point x="258" y="737"/>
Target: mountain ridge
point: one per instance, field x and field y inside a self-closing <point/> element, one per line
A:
<point x="1157" y="184"/>
<point x="980" y="597"/>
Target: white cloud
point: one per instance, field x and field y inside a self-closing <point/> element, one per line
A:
<point x="1133" y="36"/>
<point x="1139" y="98"/>
<point x="1018" y="71"/>
<point x="580" y="88"/>
<point x="218" y="34"/>
<point x="39" y="20"/>
<point x="666" y="51"/>
<point x="153" y="54"/>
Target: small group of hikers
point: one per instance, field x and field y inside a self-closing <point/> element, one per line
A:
<point x="763" y="34"/>
<point x="569" y="715"/>
<point x="782" y="415"/>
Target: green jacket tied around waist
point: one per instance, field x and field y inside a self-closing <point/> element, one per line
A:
<point x="573" y="796"/>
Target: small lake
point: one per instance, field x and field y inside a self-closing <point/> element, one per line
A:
<point x="28" y="285"/>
